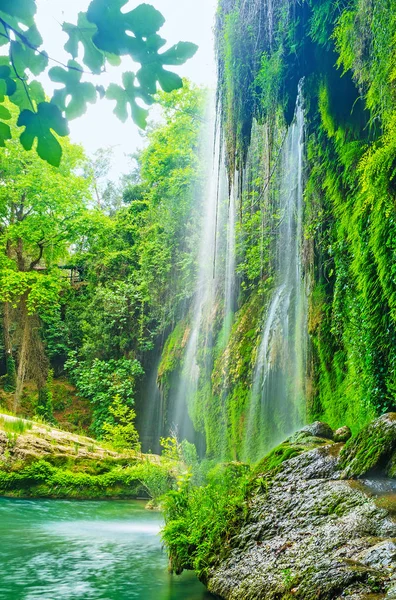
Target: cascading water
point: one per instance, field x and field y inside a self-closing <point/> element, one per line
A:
<point x="197" y="361"/>
<point x="276" y="405"/>
<point x="151" y="416"/>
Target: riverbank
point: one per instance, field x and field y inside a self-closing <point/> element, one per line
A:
<point x="41" y="461"/>
<point x="314" y="520"/>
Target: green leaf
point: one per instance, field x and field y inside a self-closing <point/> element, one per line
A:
<point x="36" y="92"/>
<point x="145" y="20"/>
<point x="127" y="96"/>
<point x="179" y="53"/>
<point x="169" y="81"/>
<point x="155" y="42"/>
<point x="82" y="33"/>
<point x="81" y="93"/>
<point x="40" y="125"/>
<point x="10" y="85"/>
<point x="26" y="95"/>
<point x="33" y="36"/>
<point x="22" y="10"/>
<point x="5" y="133"/>
<point x="3" y="35"/>
<point x="24" y="57"/>
<point x="21" y="97"/>
<point x="149" y="74"/>
<point x="4" y="113"/>
<point x="113" y="26"/>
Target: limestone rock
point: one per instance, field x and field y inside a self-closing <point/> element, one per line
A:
<point x="316" y="429"/>
<point x="343" y="434"/>
<point x="310" y="534"/>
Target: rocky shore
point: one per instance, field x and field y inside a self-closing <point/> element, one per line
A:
<point x="320" y="522"/>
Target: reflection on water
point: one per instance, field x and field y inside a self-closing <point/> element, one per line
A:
<point x="384" y="492"/>
<point x="59" y="550"/>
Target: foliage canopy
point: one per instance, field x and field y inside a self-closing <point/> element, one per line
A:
<point x="105" y="33"/>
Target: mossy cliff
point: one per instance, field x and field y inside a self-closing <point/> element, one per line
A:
<point x="343" y="56"/>
<point x="297" y="525"/>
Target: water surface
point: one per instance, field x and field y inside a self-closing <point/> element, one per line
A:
<point x="60" y="550"/>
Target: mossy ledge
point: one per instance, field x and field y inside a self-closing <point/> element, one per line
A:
<point x="299" y="524"/>
<point x="39" y="461"/>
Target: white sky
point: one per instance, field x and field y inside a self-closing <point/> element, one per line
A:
<point x="186" y="20"/>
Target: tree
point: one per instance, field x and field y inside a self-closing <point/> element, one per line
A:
<point x="139" y="263"/>
<point x="41" y="215"/>
<point x="107" y="194"/>
<point x="106" y="34"/>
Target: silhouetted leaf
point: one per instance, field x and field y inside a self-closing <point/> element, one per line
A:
<point x="22" y="10"/>
<point x="4" y="113"/>
<point x="9" y="83"/>
<point x="149" y="74"/>
<point x="179" y="53"/>
<point x="5" y="133"/>
<point x="81" y="93"/>
<point x="113" y="26"/>
<point x="24" y="58"/>
<point x="40" y="125"/>
<point x="145" y="20"/>
<point x="82" y="33"/>
<point x="36" y="92"/>
<point x="127" y="96"/>
<point x="169" y="81"/>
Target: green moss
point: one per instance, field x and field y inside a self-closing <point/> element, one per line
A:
<point x="371" y="449"/>
<point x="276" y="458"/>
<point x="172" y="354"/>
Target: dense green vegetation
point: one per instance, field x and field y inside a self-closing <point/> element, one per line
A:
<point x="89" y="286"/>
<point x="123" y="309"/>
<point x="98" y="285"/>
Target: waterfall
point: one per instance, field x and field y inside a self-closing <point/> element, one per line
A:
<point x="229" y="289"/>
<point x="216" y="266"/>
<point x="150" y="420"/>
<point x="276" y="405"/>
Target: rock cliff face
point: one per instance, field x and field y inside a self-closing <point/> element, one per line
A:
<point x="314" y="531"/>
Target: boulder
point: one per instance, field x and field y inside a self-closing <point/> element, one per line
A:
<point x="370" y="452"/>
<point x="309" y="533"/>
<point x="316" y="429"/>
<point x="343" y="434"/>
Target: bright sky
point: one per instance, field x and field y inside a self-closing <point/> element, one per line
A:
<point x="186" y="20"/>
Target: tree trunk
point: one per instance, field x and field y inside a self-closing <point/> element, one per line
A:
<point x="25" y="321"/>
<point x="7" y="329"/>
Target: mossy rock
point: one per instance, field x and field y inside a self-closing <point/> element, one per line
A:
<point x="314" y="430"/>
<point x="299" y="443"/>
<point x="371" y="450"/>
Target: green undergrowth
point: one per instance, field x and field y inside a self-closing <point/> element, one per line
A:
<point x="201" y="520"/>
<point x="17" y="426"/>
<point x="57" y="477"/>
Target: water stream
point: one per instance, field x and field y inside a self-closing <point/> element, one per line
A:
<point x="277" y="397"/>
<point x="86" y="551"/>
<point x="215" y="286"/>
